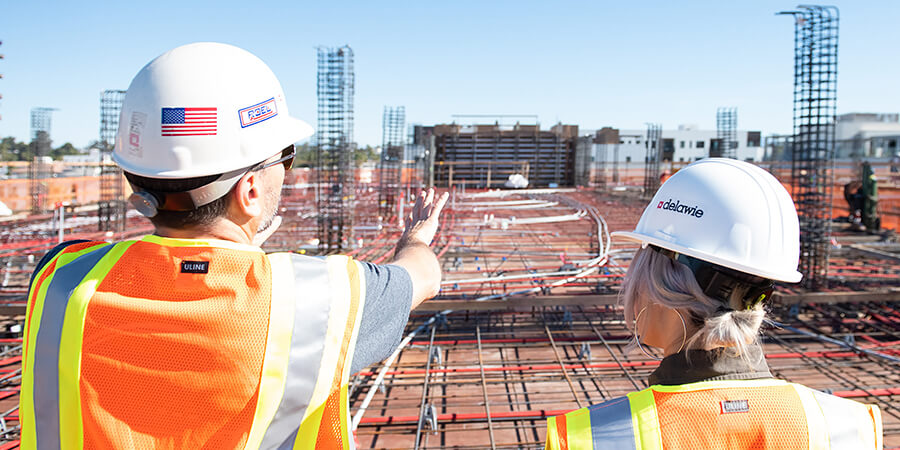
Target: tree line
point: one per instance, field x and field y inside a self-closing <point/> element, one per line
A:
<point x="13" y="150"/>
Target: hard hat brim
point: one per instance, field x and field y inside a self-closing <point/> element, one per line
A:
<point x="789" y="277"/>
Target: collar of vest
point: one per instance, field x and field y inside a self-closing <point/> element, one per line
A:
<point x="185" y="242"/>
<point x="691" y="366"/>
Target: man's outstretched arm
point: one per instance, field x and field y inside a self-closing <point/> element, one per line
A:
<point x="413" y="252"/>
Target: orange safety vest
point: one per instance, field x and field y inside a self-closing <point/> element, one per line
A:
<point x="182" y="343"/>
<point x="740" y="414"/>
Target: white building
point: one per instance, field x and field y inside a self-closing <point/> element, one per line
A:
<point x="685" y="144"/>
<point x="867" y="135"/>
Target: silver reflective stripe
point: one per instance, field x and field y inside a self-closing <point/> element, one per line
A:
<point x="841" y="421"/>
<point x="312" y="304"/>
<point x="46" y="348"/>
<point x="611" y="425"/>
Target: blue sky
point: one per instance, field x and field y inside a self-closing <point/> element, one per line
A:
<point x="592" y="63"/>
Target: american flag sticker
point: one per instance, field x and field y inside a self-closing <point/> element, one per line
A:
<point x="188" y="122"/>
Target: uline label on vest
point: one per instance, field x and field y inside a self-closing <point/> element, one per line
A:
<point x="195" y="267"/>
<point x="735" y="406"/>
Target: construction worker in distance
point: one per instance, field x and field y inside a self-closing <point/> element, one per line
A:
<point x="715" y="238"/>
<point x="193" y="337"/>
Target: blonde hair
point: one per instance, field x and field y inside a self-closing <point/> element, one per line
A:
<point x="659" y="280"/>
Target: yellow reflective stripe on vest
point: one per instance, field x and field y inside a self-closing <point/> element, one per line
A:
<point x="700" y="385"/>
<point x="553" y="438"/>
<point x="320" y="306"/>
<point x="278" y="346"/>
<point x="55" y="372"/>
<point x="36" y="298"/>
<point x="644" y="420"/>
<point x="347" y="301"/>
<point x="607" y="426"/>
<point x="815" y="421"/>
<point x="578" y="428"/>
<point x="847" y="424"/>
<point x="309" y="306"/>
<point x="71" y="431"/>
<point x="875" y="413"/>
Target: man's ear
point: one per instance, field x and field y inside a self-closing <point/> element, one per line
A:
<point x="248" y="195"/>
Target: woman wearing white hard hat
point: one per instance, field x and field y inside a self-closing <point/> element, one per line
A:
<point x="714" y="240"/>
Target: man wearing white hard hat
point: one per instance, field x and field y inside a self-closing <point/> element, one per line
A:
<point x="193" y="337"/>
<point x="714" y="240"/>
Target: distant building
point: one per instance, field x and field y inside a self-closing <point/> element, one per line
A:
<point x="486" y="155"/>
<point x="867" y="135"/>
<point x="685" y="144"/>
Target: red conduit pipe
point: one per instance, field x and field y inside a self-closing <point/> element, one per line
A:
<point x="446" y="291"/>
<point x="607" y="365"/>
<point x="536" y="275"/>
<point x="544" y="413"/>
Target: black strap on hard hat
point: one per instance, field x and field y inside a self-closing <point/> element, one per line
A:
<point x="149" y="201"/>
<point x="719" y="282"/>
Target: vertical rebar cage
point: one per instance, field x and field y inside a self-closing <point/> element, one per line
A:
<point x="39" y="167"/>
<point x="111" y="209"/>
<point x="726" y="132"/>
<point x="812" y="162"/>
<point x="390" y="165"/>
<point x="653" y="143"/>
<point x="334" y="174"/>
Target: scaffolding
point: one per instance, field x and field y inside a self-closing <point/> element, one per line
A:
<point x="39" y="168"/>
<point x="390" y="167"/>
<point x="334" y="162"/>
<point x="654" y="146"/>
<point x="813" y="150"/>
<point x="111" y="209"/>
<point x="726" y="133"/>
<point x="486" y="155"/>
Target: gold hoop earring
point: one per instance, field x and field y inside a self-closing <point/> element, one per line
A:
<point x="637" y="337"/>
<point x="683" y="331"/>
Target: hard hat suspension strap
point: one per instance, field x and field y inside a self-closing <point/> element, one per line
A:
<point x="148" y="201"/>
<point x="720" y="282"/>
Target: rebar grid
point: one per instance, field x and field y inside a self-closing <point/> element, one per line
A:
<point x="813" y="147"/>
<point x="726" y="133"/>
<point x="39" y="168"/>
<point x="390" y="166"/>
<point x="652" y="160"/>
<point x="112" y="201"/>
<point x="334" y="162"/>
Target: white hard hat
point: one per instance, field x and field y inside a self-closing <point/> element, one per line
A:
<point x="203" y="109"/>
<point x="726" y="212"/>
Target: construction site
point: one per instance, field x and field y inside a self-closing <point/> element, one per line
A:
<point x="528" y="322"/>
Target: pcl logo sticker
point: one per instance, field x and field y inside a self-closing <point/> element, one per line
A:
<point x="135" y="129"/>
<point x="257" y="113"/>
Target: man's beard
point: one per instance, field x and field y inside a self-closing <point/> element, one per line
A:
<point x="273" y="198"/>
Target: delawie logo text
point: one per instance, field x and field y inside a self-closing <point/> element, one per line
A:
<point x="676" y="206"/>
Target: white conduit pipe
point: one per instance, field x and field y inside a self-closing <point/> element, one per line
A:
<point x="509" y="277"/>
<point x="387" y="365"/>
<point x="528" y="206"/>
<point x="504" y="193"/>
<point x="602" y="231"/>
<point x="507" y="203"/>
